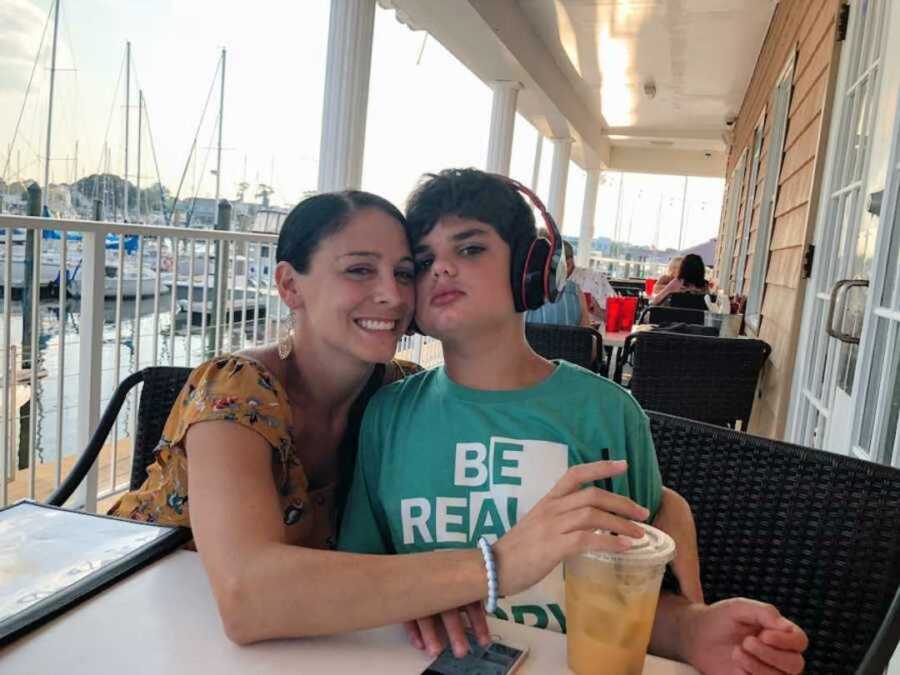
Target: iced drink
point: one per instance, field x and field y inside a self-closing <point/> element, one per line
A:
<point x="611" y="603"/>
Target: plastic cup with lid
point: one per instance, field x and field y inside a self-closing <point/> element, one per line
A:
<point x="611" y="603"/>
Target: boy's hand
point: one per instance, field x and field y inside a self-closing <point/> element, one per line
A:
<point x="433" y="632"/>
<point x="743" y="637"/>
<point x="675" y="519"/>
<point x="564" y="523"/>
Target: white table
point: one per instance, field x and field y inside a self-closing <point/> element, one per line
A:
<point x="617" y="342"/>
<point x="163" y="620"/>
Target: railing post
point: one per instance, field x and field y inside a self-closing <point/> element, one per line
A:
<point x="34" y="209"/>
<point x="90" y="355"/>
<point x="217" y="312"/>
<point x="418" y="339"/>
<point x="29" y="304"/>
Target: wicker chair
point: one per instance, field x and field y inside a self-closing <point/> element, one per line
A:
<point x="709" y="379"/>
<point x="664" y="315"/>
<point x="811" y="532"/>
<point x="161" y="386"/>
<point x="581" y="346"/>
<point x="627" y="287"/>
<point x="687" y="301"/>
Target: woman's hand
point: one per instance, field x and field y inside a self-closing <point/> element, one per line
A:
<point x="564" y="524"/>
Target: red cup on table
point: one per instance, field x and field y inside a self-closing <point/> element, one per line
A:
<point x="648" y="286"/>
<point x="613" y="313"/>
<point x="629" y="309"/>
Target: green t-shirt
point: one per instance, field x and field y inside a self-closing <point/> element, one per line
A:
<point x="441" y="465"/>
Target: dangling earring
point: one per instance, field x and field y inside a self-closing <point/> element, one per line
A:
<point x="286" y="342"/>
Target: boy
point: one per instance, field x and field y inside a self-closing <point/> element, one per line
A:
<point x="464" y="451"/>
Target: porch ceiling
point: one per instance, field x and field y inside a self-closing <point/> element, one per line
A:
<point x="584" y="65"/>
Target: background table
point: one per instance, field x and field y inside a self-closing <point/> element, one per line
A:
<point x="617" y="342"/>
<point x="163" y="619"/>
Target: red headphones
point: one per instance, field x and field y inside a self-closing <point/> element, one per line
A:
<point x="538" y="270"/>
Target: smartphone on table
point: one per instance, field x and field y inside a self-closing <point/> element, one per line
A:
<point x="498" y="658"/>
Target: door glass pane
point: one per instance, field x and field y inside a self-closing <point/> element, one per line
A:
<point x="894" y="408"/>
<point x="834" y="218"/>
<point x="820" y="350"/>
<point x="893" y="268"/>
<point x="875" y="28"/>
<point x="841" y="159"/>
<point x="846" y="240"/>
<point x="846" y="364"/>
<point x="861" y="130"/>
<point x="874" y="389"/>
<point x="818" y="438"/>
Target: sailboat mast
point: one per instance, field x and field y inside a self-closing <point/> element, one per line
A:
<point x="46" y="193"/>
<point x="219" y="149"/>
<point x="127" y="110"/>
<point x="138" y="174"/>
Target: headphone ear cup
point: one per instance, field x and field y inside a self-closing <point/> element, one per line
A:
<point x="533" y="281"/>
<point x="557" y="274"/>
<point x="518" y="254"/>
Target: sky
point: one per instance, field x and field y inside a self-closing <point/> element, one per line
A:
<point x="426" y="111"/>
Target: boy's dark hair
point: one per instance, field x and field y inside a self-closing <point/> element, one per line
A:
<point x="693" y="271"/>
<point x="469" y="193"/>
<point x="318" y="217"/>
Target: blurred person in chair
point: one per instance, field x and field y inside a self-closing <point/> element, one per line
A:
<point x="570" y="308"/>
<point x="691" y="279"/>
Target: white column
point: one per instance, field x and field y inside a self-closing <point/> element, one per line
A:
<point x="588" y="211"/>
<point x="350" y="30"/>
<point x="536" y="172"/>
<point x="503" y="120"/>
<point x="559" y="176"/>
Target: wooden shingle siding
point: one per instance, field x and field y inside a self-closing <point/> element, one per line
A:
<point x="805" y="28"/>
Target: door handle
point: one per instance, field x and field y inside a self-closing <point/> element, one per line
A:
<point x="832" y="305"/>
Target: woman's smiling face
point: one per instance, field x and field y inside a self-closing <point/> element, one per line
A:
<point x="358" y="295"/>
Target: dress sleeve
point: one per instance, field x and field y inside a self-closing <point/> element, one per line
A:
<point x="234" y="389"/>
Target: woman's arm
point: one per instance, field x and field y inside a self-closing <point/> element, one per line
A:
<point x="266" y="588"/>
<point x="673" y="286"/>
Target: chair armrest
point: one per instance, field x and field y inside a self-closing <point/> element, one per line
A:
<point x="62" y="493"/>
<point x="627" y="349"/>
<point x="882" y="648"/>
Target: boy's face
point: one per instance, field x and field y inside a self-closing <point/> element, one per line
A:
<point x="463" y="281"/>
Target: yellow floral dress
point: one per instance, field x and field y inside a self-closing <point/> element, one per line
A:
<point x="241" y="390"/>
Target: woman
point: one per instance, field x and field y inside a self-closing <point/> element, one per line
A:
<point x="691" y="279"/>
<point x="259" y="448"/>
<point x="664" y="280"/>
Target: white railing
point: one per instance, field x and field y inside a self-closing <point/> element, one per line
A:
<point x="118" y="298"/>
<point x="112" y="298"/>
<point x="626" y="267"/>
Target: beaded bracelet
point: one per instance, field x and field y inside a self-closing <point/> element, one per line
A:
<point x="490" y="606"/>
